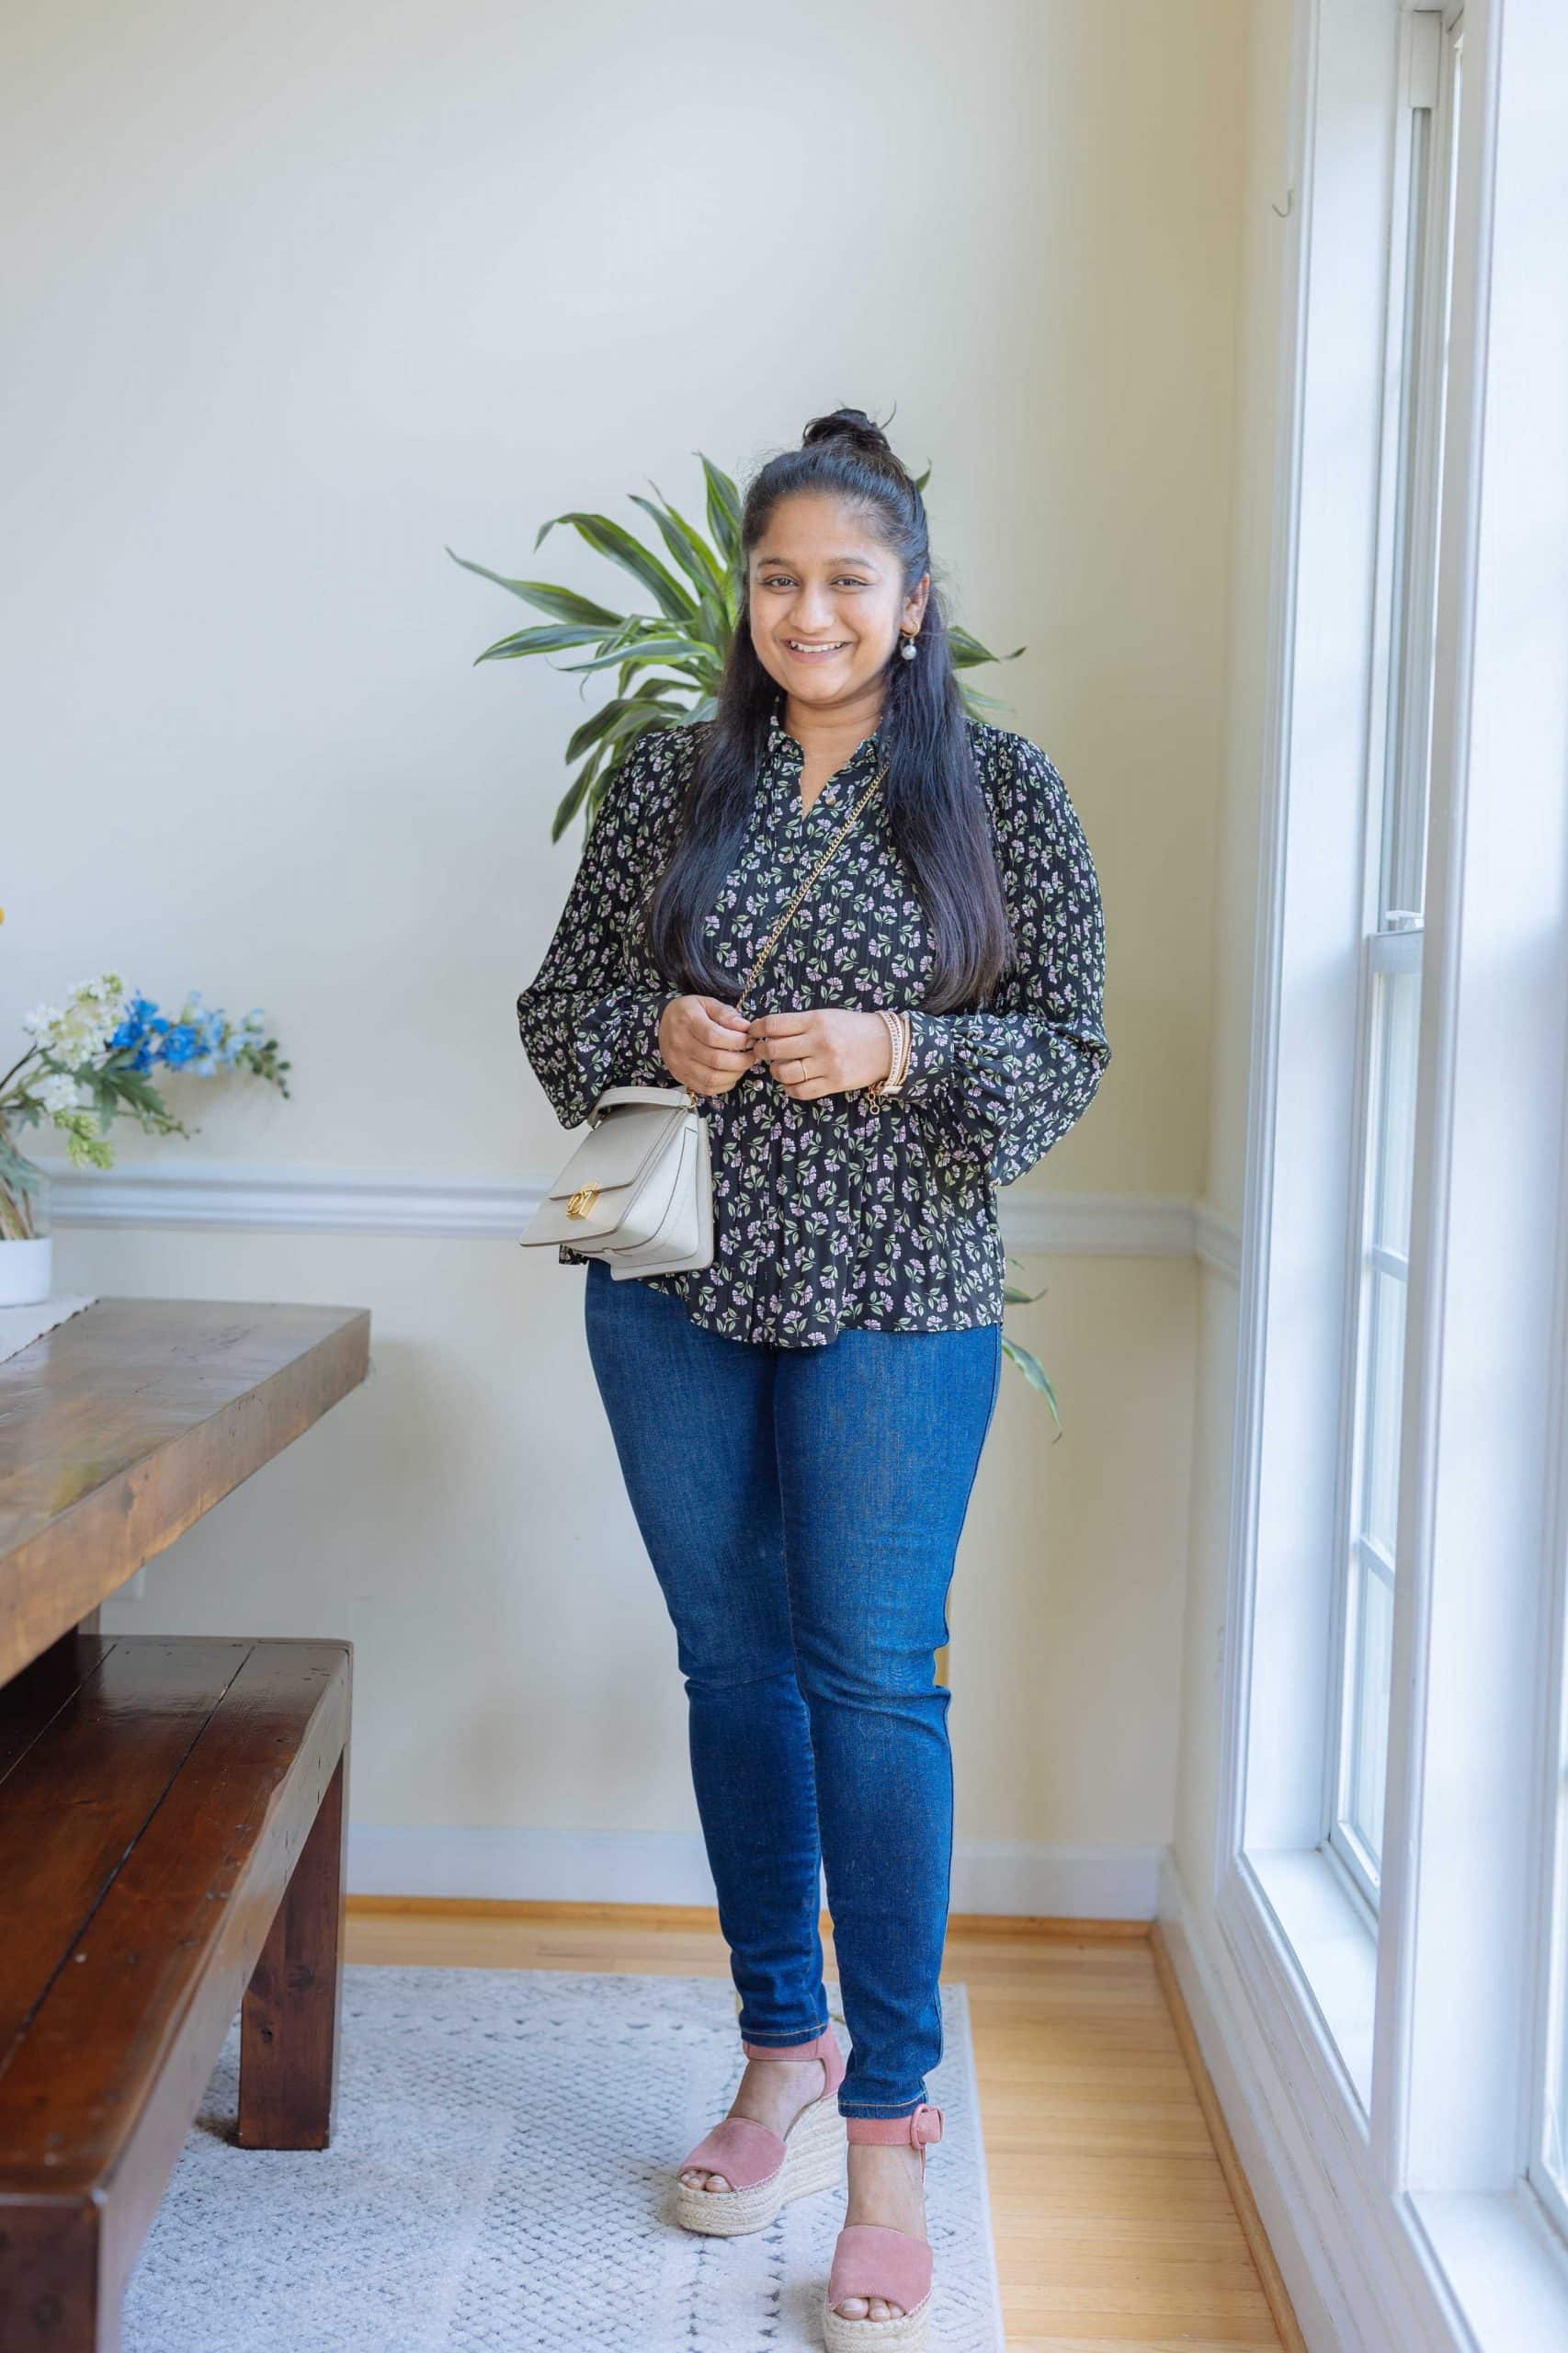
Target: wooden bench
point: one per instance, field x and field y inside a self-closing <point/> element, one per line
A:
<point x="171" y="1851"/>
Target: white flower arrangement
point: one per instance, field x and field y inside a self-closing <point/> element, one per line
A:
<point x="91" y="1059"/>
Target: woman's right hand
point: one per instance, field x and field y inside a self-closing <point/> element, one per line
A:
<point x="704" y="1043"/>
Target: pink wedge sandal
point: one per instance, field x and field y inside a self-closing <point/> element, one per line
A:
<point x="766" y="2170"/>
<point x="871" y="2260"/>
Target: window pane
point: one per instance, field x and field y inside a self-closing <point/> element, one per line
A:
<point x="1384" y="1383"/>
<point x="1419" y="289"/>
<point x="1398" y="1017"/>
<point x="1370" y="1725"/>
<point x="1409" y="681"/>
<point x="1554" y="2121"/>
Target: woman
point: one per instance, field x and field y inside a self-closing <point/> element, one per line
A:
<point x="800" y="1423"/>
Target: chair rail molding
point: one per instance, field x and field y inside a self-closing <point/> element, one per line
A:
<point x="276" y="1198"/>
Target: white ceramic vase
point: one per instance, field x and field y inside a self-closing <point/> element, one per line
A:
<point x="27" y="1271"/>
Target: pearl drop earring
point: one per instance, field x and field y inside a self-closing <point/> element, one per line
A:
<point x="908" y="648"/>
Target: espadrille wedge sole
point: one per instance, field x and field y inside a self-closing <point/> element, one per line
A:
<point x="765" y="2169"/>
<point x="871" y="2260"/>
<point x="905" y="2334"/>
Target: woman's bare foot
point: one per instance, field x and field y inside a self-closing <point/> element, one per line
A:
<point x="886" y="2185"/>
<point x="773" y="2092"/>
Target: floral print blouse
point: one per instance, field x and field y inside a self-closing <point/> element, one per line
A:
<point x="845" y="1209"/>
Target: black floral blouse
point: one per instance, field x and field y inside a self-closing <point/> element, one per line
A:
<point x="843" y="1209"/>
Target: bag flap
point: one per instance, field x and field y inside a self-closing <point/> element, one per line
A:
<point x="663" y="1098"/>
<point x="616" y="1151"/>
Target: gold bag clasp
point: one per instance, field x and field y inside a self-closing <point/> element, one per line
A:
<point x="583" y="1201"/>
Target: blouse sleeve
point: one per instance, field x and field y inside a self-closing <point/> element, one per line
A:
<point x="589" y="1018"/>
<point x="1010" y="1082"/>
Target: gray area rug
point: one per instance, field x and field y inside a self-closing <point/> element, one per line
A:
<point x="499" y="2183"/>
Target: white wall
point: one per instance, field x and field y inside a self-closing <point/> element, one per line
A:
<point x="303" y="295"/>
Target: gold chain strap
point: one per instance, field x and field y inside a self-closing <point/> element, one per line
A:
<point x="771" y="942"/>
<point x="692" y="1097"/>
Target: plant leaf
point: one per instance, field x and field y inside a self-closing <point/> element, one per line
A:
<point x="550" y="637"/>
<point x="978" y="704"/>
<point x="670" y="650"/>
<point x="968" y="651"/>
<point x="723" y="514"/>
<point x="622" y="716"/>
<point x="608" y="538"/>
<point x="573" y="797"/>
<point x="1033" y="1373"/>
<point x="691" y="552"/>
<point x="20" y="1172"/>
<point x="564" y="603"/>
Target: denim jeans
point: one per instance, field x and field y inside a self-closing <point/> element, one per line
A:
<point x="801" y="1508"/>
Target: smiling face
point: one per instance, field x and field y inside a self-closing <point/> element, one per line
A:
<point x="827" y="602"/>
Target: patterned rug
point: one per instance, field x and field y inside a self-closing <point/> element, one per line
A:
<point x="498" y="2183"/>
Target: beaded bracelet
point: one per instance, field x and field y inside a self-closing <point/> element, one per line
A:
<point x="901" y="1036"/>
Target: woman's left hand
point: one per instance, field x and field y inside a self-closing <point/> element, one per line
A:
<point x="824" y="1052"/>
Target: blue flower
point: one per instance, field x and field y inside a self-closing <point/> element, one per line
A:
<point x="201" y="1040"/>
<point x="181" y="1044"/>
<point x="136" y="1029"/>
<point x="131" y="1028"/>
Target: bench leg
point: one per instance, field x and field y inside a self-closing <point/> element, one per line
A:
<point x="289" y="2023"/>
<point x="51" y="2293"/>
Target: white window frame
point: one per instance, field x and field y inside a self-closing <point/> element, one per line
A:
<point x="1404" y="600"/>
<point x="1399" y="2062"/>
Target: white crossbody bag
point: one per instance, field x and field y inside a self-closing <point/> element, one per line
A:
<point x="638" y="1190"/>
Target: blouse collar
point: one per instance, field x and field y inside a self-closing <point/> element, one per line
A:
<point x="786" y="751"/>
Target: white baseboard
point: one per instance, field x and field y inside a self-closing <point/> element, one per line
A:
<point x="268" y="1197"/>
<point x="669" y="1867"/>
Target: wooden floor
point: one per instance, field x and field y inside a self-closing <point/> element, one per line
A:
<point x="1122" y="2217"/>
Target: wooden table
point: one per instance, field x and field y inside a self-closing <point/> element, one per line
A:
<point x="126" y="1423"/>
<point x="172" y="1810"/>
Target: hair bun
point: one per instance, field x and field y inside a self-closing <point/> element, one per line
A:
<point x="851" y="424"/>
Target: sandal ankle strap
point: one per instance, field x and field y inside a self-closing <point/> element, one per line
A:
<point x="921" y="2126"/>
<point x="826" y="2048"/>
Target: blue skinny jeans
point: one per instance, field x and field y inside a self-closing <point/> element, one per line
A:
<point x="801" y="1508"/>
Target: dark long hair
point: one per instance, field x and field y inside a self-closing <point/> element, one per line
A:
<point x="935" y="808"/>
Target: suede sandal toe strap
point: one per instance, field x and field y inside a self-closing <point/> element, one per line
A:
<point x="871" y="2260"/>
<point x="746" y="2153"/>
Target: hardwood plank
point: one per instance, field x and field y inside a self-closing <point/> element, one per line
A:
<point x="30" y="1700"/>
<point x="129" y="1421"/>
<point x="1269" y="2343"/>
<point x="75" y="1801"/>
<point x="1251" y="2221"/>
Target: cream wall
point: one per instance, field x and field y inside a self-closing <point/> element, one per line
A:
<point x="1260" y="426"/>
<point x="305" y="295"/>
